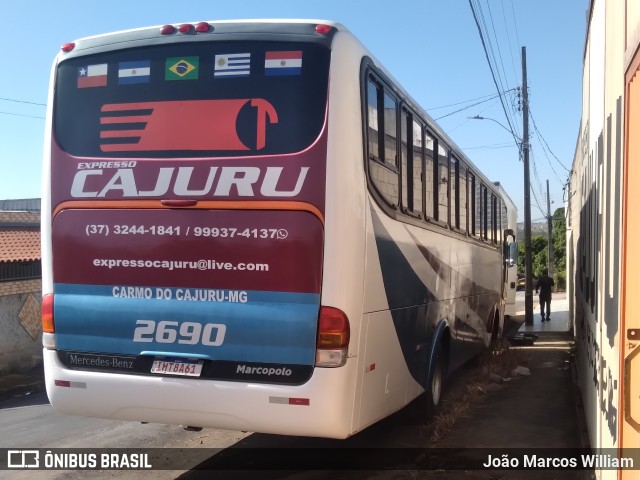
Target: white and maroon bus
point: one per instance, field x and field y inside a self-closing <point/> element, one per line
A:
<point x="250" y="225"/>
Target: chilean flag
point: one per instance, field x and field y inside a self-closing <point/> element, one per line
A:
<point x="283" y="63"/>
<point x="92" y="76"/>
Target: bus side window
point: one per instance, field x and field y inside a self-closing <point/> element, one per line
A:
<point x="405" y="162"/>
<point x="411" y="164"/>
<point x="381" y="141"/>
<point x="417" y="157"/>
<point x="483" y="212"/>
<point x="454" y="186"/>
<point x="443" y="184"/>
<point x="473" y="200"/>
<point x="462" y="182"/>
<point x="495" y="209"/>
<point x="490" y="218"/>
<point x="429" y="176"/>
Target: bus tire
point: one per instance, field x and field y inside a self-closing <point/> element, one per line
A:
<point x="433" y="395"/>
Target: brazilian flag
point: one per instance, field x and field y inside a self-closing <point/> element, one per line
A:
<point x="181" y="68"/>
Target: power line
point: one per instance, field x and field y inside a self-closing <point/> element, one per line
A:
<point x="499" y="66"/>
<point x="22" y="101"/>
<point x="506" y="28"/>
<point x="545" y="142"/>
<point x="464" y="108"/>
<point x="20" y="115"/>
<point x="492" y="146"/>
<point x="493" y="76"/>
<point x="486" y="98"/>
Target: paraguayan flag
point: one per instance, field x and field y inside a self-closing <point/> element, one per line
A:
<point x="232" y="65"/>
<point x="283" y="63"/>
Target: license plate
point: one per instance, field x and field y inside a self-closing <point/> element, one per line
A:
<point x="177" y="366"/>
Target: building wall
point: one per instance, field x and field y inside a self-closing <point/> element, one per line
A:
<point x="20" y="325"/>
<point x="596" y="219"/>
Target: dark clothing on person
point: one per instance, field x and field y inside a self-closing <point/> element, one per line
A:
<point x="544" y="285"/>
<point x="545" y="302"/>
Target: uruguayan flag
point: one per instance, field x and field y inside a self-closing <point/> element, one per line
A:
<point x="232" y="65"/>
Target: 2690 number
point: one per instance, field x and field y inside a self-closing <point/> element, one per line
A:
<point x="187" y="333"/>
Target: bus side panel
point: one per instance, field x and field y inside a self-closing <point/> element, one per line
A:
<point x="417" y="278"/>
<point x="345" y="248"/>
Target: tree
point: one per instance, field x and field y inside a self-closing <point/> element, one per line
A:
<point x="539" y="251"/>
<point x="559" y="240"/>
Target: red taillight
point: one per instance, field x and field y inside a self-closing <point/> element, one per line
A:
<point x="333" y="329"/>
<point x="323" y="29"/>
<point x="167" y="30"/>
<point x="185" y="28"/>
<point x="203" y="27"/>
<point x="67" y="47"/>
<point x="47" y="314"/>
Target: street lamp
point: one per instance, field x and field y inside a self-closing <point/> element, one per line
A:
<point x="523" y="147"/>
<point x="518" y="140"/>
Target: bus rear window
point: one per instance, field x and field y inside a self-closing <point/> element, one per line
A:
<point x="192" y="100"/>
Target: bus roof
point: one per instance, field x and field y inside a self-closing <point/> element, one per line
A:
<point x="243" y="26"/>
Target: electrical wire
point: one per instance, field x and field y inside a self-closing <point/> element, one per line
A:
<point x="21" y="115"/>
<point x="22" y="101"/>
<point x="545" y="142"/>
<point x="486" y="98"/>
<point x="493" y="76"/>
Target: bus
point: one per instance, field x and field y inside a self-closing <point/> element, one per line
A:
<point x="250" y="225"/>
<point x="510" y="223"/>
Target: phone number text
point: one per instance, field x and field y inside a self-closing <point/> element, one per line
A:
<point x="176" y="230"/>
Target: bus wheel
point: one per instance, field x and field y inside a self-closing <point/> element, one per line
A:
<point x="436" y="385"/>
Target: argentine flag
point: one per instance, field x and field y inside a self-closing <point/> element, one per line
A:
<point x="134" y="72"/>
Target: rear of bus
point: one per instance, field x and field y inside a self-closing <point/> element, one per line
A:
<point x="183" y="223"/>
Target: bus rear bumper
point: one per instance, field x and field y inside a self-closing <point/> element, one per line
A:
<point x="311" y="409"/>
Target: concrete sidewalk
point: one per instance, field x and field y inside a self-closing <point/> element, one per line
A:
<point x="559" y="320"/>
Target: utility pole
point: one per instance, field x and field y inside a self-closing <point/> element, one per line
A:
<point x="528" y="277"/>
<point x="549" y="235"/>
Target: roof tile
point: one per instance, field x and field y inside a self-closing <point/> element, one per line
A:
<point x="19" y="244"/>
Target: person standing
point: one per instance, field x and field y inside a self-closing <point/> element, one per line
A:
<point x="544" y="285"/>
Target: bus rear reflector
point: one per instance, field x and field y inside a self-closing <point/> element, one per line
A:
<point x="333" y="338"/>
<point x="47" y="314"/>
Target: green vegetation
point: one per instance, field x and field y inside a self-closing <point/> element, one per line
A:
<point x="539" y="252"/>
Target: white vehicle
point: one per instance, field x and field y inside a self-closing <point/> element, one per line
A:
<point x="250" y="225"/>
<point x="509" y="222"/>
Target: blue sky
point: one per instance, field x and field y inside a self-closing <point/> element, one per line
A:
<point x="432" y="47"/>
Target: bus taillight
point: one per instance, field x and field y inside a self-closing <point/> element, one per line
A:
<point x="48" y="327"/>
<point x="167" y="30"/>
<point x="47" y="314"/>
<point x="333" y="338"/>
<point x="203" y="27"/>
<point x="323" y="29"/>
